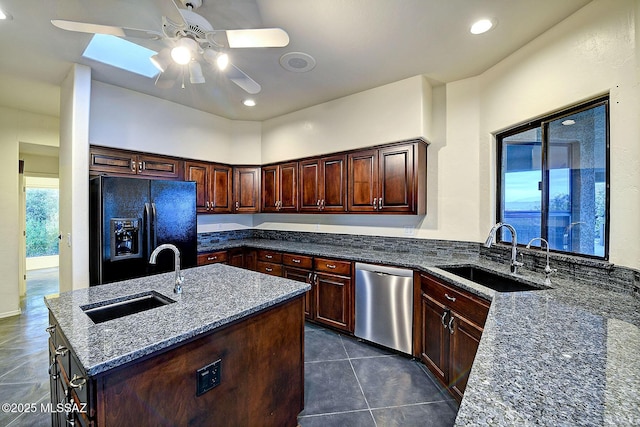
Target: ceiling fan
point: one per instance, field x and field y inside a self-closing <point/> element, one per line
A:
<point x="191" y="41"/>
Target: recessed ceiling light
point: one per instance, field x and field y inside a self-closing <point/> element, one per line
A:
<point x="569" y="122"/>
<point x="249" y="102"/>
<point x="481" y="26"/>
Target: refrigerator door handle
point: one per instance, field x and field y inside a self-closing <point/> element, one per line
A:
<point x="147" y="221"/>
<point x="154" y="216"/>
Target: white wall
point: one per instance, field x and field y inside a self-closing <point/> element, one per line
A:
<point x="75" y="98"/>
<point x="594" y="51"/>
<point x="16" y="126"/>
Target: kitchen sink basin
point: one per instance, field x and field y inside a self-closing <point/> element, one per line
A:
<point x="122" y="308"/>
<point x="492" y="280"/>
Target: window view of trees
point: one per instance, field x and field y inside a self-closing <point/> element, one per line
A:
<point x="42" y="221"/>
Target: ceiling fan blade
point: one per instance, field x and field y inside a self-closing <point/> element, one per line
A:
<point x="171" y="11"/>
<point x="239" y="77"/>
<point x="84" y="27"/>
<point x="261" y="37"/>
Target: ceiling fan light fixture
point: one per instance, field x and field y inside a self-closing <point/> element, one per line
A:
<point x="161" y="60"/>
<point x="183" y="52"/>
<point x="249" y="102"/>
<point x="222" y="61"/>
<point x="5" y="15"/>
<point x="195" y="73"/>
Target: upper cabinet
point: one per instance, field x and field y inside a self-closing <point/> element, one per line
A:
<point x="213" y="186"/>
<point x="246" y="189"/>
<point x="389" y="179"/>
<point x="112" y="161"/>
<point x="280" y="187"/>
<point x="323" y="184"/>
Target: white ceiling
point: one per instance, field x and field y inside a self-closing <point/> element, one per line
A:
<point x="358" y="45"/>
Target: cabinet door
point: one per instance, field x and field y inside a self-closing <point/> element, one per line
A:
<point x="270" y="197"/>
<point x="333" y="184"/>
<point x="302" y="275"/>
<point x="235" y="257"/>
<point x="160" y="166"/>
<point x="333" y="300"/>
<point x="250" y="259"/>
<point x="434" y="352"/>
<point x="310" y="178"/>
<point x="246" y="189"/>
<point x="363" y="181"/>
<point x="463" y="344"/>
<point x="396" y="179"/>
<point x="199" y="172"/>
<point x="288" y="183"/>
<point x="108" y="160"/>
<point x="220" y="188"/>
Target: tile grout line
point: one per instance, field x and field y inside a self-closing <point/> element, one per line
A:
<point x="358" y="381"/>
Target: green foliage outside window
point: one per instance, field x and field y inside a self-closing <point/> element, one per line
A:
<point x="42" y="221"/>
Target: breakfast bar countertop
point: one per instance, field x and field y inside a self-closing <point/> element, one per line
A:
<point x="561" y="356"/>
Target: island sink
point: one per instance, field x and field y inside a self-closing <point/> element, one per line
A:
<point x="492" y="280"/>
<point x="126" y="307"/>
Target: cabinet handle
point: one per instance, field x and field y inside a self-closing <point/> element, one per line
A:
<point x="80" y="382"/>
<point x="141" y="166"/>
<point x="51" y="329"/>
<point x="322" y="205"/>
<point x="237" y="205"/>
<point x="380" y="204"/>
<point x="452" y="299"/>
<point x="443" y="321"/>
<point x="61" y="350"/>
<point x="318" y="204"/>
<point x="206" y="204"/>
<point x="331" y="266"/>
<point x="297" y="261"/>
<point x="450" y="326"/>
<point x="315" y="279"/>
<point x="133" y="165"/>
<point x="212" y="258"/>
<point x="269" y="269"/>
<point x="375" y="203"/>
<point x="309" y="277"/>
<point x="268" y="256"/>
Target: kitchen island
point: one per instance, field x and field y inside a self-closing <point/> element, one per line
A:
<point x="228" y="351"/>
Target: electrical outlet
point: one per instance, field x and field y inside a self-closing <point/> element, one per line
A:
<point x="207" y="377"/>
<point x="408" y="230"/>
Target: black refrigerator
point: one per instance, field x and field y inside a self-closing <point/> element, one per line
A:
<point x="130" y="217"/>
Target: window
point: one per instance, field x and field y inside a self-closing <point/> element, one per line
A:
<point x="554" y="180"/>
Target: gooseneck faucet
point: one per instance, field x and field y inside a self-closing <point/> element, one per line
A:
<point x="548" y="271"/>
<point x="514" y="241"/>
<point x="177" y="289"/>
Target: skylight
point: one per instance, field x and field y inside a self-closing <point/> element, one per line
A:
<point x="122" y="54"/>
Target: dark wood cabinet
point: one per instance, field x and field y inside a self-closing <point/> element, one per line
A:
<point x="323" y="184"/>
<point x="452" y="322"/>
<point x="246" y="189"/>
<point x="390" y="179"/>
<point x="213" y="186"/>
<point x="333" y="293"/>
<point x="111" y="161"/>
<point x="300" y="268"/>
<point x="280" y="188"/>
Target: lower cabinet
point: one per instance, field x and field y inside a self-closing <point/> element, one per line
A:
<point x="451" y="322"/>
<point x="212" y="257"/>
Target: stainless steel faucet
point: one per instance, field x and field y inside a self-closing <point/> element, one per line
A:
<point x="514" y="241"/>
<point x="548" y="271"/>
<point x="177" y="289"/>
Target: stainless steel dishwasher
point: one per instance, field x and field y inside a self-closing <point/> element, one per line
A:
<point x="384" y="306"/>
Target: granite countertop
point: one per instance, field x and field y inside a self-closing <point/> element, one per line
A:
<point x="561" y="356"/>
<point x="212" y="296"/>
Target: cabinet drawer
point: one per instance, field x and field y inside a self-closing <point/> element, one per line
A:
<point x="465" y="304"/>
<point x="269" y="268"/>
<point x="212" y="257"/>
<point x="270" y="256"/>
<point x="301" y="261"/>
<point x="333" y="266"/>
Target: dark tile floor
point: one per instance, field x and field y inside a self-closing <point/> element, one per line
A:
<point x="350" y="383"/>
<point x="347" y="383"/>
<point x="24" y="353"/>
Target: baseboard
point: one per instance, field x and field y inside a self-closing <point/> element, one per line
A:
<point x="10" y="313"/>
